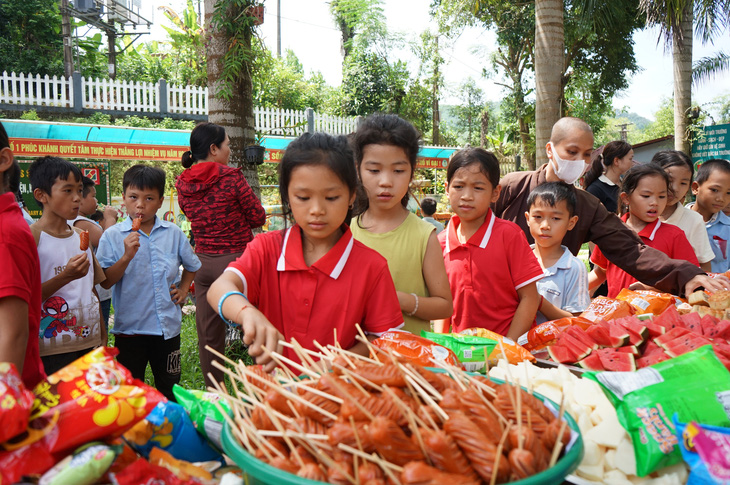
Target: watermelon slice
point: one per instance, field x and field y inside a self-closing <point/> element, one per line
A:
<point x="654" y="329"/>
<point x="592" y="362"/>
<point x="694" y="326"/>
<point x="651" y="359"/>
<point x="669" y="318"/>
<point x="582" y="336"/>
<point x="631" y="349"/>
<point x="650" y="347"/>
<point x="617" y="361"/>
<point x="618" y="333"/>
<point x="637" y="331"/>
<point x="562" y="354"/>
<point x="671" y="335"/>
<point x="580" y="349"/>
<point x="709" y="326"/>
<point x="604" y="339"/>
<point x="684" y="344"/>
<point x="721" y="348"/>
<point x="691" y="320"/>
<point x="723" y="329"/>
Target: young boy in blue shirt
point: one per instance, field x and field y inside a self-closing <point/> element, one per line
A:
<point x="712" y="191"/>
<point x="143" y="267"/>
<point x="564" y="288"/>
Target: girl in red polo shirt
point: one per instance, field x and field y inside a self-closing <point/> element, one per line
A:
<point x="312" y="281"/>
<point x="645" y="191"/>
<point x="491" y="268"/>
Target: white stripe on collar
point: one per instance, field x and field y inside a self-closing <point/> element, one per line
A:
<point x="281" y="264"/>
<point x="343" y="259"/>
<point x="653" y="233"/>
<point x="488" y="233"/>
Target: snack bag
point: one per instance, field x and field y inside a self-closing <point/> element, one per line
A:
<point x="695" y="385"/>
<point x="203" y="412"/>
<point x="607" y="309"/>
<point x="706" y="449"/>
<point x="181" y="468"/>
<point x="546" y="333"/>
<point x="168" y="426"/>
<point x="84" y="467"/>
<point x="508" y="349"/>
<point x="472" y="352"/>
<point x="92" y="398"/>
<point x="646" y="301"/>
<point x="15" y="402"/>
<point x="419" y="350"/>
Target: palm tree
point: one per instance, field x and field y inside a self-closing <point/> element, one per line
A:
<point x="707" y="67"/>
<point x="230" y="91"/>
<point x="549" y="61"/>
<point x="676" y="19"/>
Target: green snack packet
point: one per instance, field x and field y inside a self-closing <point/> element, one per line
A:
<point x="694" y="385"/>
<point x="471" y="351"/>
<point x="204" y="414"/>
<point x="84" y="467"/>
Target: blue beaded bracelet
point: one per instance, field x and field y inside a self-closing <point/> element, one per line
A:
<point x="220" y="306"/>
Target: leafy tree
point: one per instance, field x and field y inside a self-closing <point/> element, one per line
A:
<point x="664" y="121"/>
<point x="187" y="43"/>
<point x="356" y="16"/>
<point x="371" y="84"/>
<point x="30" y="40"/>
<point x="707" y="67"/>
<point x="468" y="113"/>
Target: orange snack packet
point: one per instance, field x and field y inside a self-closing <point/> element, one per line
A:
<point x="607" y="309"/>
<point x="646" y="301"/>
<point x="418" y="350"/>
<point x="546" y="333"/>
<point x="512" y="350"/>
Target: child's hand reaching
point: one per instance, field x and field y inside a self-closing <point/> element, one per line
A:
<point x="77" y="267"/>
<point x="178" y="295"/>
<point x="258" y="332"/>
<point x="131" y="245"/>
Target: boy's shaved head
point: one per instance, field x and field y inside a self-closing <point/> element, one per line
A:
<point x="564" y="126"/>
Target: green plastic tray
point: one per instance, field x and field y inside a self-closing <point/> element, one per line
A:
<point x="256" y="472"/>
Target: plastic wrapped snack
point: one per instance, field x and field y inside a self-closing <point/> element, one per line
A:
<point x="508" y="349"/>
<point x="645" y="301"/>
<point x="203" y="412"/>
<point x="547" y="333"/>
<point x="706" y="449"/>
<point x="84" y="467"/>
<point x="695" y="385"/>
<point x="602" y="308"/>
<point x="15" y="402"/>
<point x="472" y="352"/>
<point x="419" y="350"/>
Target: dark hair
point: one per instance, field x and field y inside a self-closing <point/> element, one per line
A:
<point x="44" y="172"/>
<point x="638" y="172"/>
<point x="201" y="138"/>
<point x="11" y="179"/>
<point x="144" y="177"/>
<point x="673" y="158"/>
<point x="603" y="158"/>
<point x="552" y="193"/>
<point x="88" y="183"/>
<point x="488" y="163"/>
<point x="385" y="129"/>
<point x="334" y="152"/>
<point x="703" y="173"/>
<point x="97" y="216"/>
<point x="428" y="206"/>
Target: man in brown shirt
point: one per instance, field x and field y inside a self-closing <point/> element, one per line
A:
<point x="619" y="243"/>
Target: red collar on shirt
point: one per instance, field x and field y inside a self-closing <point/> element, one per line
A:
<point x="480" y="238"/>
<point x="649" y="231"/>
<point x="332" y="263"/>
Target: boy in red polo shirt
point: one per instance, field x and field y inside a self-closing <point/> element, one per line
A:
<point x="492" y="270"/>
<point x="313" y="280"/>
<point x="644" y="191"/>
<point x="20" y="279"/>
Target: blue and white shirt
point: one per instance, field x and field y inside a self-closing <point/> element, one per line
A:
<point x="565" y="284"/>
<point x="141" y="299"/>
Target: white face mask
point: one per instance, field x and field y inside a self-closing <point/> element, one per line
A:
<point x="567" y="170"/>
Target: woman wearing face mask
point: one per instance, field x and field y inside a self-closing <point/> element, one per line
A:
<point x="608" y="164"/>
<point x="568" y="153"/>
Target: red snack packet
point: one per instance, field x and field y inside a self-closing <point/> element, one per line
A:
<point x="418" y="350"/>
<point x="93" y="398"/>
<point x="142" y="471"/>
<point x="607" y="309"/>
<point x="546" y="333"/>
<point x="15" y="402"/>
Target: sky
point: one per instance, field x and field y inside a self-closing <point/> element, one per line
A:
<point x="308" y="29"/>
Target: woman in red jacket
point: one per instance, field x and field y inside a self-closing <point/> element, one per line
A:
<point x="222" y="210"/>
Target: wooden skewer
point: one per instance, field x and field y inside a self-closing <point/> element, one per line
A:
<point x="372" y="457"/>
<point x="354" y="382"/>
<point x="353" y="355"/>
<point x="367" y="343"/>
<point x="429" y="400"/>
<point x="324" y="350"/>
<point x="520" y="437"/>
<point x="314" y="449"/>
<point x="411" y="422"/>
<point x="304" y="354"/>
<point x="281" y="359"/>
<point x="502" y="420"/>
<point x="357" y="435"/>
<point x="285" y="437"/>
<point x="278" y="434"/>
<point x="423" y="382"/>
<point x="558" y="445"/>
<point x="495" y="468"/>
<point x="352" y="399"/>
<point x="223" y="394"/>
<point x="314" y="390"/>
<point x="354" y="376"/>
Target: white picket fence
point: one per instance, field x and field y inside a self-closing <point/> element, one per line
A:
<point x="139" y="97"/>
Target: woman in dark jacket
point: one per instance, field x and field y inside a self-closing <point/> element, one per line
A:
<point x="608" y="164"/>
<point x="222" y="210"/>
